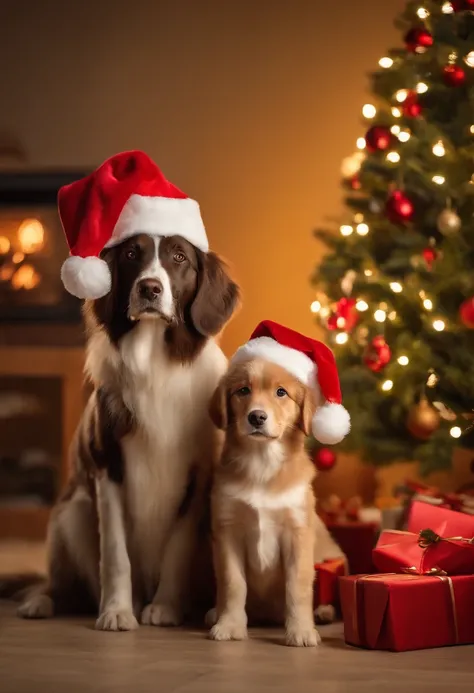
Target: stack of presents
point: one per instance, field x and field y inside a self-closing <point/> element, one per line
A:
<point x="406" y="580"/>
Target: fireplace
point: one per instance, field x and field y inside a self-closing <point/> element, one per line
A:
<point x="41" y="352"/>
<point x="32" y="249"/>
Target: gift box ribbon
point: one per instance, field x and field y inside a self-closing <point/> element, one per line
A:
<point x="400" y="578"/>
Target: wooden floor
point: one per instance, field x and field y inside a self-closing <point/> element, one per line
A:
<point x="68" y="656"/>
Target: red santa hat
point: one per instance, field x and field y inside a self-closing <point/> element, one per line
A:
<point x="313" y="364"/>
<point x="127" y="194"/>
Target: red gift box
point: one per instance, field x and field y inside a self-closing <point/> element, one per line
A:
<point x="326" y="588"/>
<point x="423" y="553"/>
<point x="450" y="522"/>
<point x="357" y="540"/>
<point x="407" y="612"/>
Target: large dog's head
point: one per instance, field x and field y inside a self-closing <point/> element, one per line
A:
<point x="169" y="280"/>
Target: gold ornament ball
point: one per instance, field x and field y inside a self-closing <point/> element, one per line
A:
<point x="423" y="420"/>
<point x="448" y="222"/>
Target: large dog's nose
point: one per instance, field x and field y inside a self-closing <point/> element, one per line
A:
<point x="257" y="418"/>
<point x="150" y="288"/>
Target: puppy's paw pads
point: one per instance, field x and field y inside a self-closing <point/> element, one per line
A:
<point x="228" y="630"/>
<point x="161" y="615"/>
<point x="324" y="614"/>
<point x="117" y="619"/>
<point x="302" y="637"/>
<point x="210" y="618"/>
<point x="38" y="606"/>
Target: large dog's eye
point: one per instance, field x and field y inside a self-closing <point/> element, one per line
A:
<point x="281" y="392"/>
<point x="243" y="392"/>
<point x="179" y="257"/>
<point x="131" y="254"/>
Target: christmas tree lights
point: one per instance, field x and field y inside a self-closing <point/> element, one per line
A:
<point x="396" y="290"/>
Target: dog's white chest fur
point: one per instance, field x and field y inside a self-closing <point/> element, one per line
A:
<point x="264" y="534"/>
<point x="169" y="402"/>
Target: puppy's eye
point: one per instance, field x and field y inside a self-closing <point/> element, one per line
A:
<point x="131" y="254"/>
<point x="179" y="257"/>
<point x="243" y="392"/>
<point x="281" y="392"/>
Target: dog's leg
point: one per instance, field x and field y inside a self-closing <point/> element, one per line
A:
<point x="229" y="562"/>
<point x="169" y="603"/>
<point x="73" y="562"/>
<point x="299" y="578"/>
<point x="116" y="608"/>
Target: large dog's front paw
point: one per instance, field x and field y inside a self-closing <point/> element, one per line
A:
<point x="37" y="606"/>
<point x="161" y="615"/>
<point x="324" y="614"/>
<point x="116" y="619"/>
<point x="298" y="635"/>
<point x="210" y="619"/>
<point x="229" y="628"/>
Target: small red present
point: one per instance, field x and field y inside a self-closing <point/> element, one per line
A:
<point x="423" y="553"/>
<point x="449" y="522"/>
<point x="326" y="589"/>
<point x="407" y="612"/>
<point x="357" y="540"/>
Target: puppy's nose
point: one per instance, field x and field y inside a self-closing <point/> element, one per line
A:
<point x="257" y="418"/>
<point x="150" y="289"/>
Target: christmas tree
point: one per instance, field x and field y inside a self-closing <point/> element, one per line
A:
<point x="395" y="293"/>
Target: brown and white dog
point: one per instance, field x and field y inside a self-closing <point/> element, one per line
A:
<point x="144" y="449"/>
<point x="266" y="532"/>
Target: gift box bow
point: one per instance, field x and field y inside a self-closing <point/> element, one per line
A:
<point x="427" y="552"/>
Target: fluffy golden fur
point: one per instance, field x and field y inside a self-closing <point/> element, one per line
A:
<point x="263" y="507"/>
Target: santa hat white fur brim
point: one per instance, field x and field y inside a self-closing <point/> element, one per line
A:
<point x="86" y="277"/>
<point x="331" y="421"/>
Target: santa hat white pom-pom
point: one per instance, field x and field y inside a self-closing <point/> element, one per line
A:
<point x="86" y="277"/>
<point x="331" y="423"/>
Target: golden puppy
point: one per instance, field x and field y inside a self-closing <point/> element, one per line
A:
<point x="263" y="506"/>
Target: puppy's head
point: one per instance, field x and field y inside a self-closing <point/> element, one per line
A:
<point x="166" y="279"/>
<point x="258" y="402"/>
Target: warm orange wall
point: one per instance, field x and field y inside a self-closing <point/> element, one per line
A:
<point x="249" y="105"/>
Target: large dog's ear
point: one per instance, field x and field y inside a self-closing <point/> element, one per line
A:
<point x="217" y="296"/>
<point x="219" y="406"/>
<point x="307" y="406"/>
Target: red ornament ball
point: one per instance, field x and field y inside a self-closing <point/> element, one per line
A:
<point x="378" y="139"/>
<point x="429" y="256"/>
<point x="466" y="313"/>
<point x="411" y="107"/>
<point x="346" y="310"/>
<point x="344" y="317"/>
<point x="377" y="354"/>
<point x="462" y="5"/>
<point x="399" y="208"/>
<point x="454" y="75"/>
<point x="324" y="459"/>
<point x="354" y="182"/>
<point x="417" y="40"/>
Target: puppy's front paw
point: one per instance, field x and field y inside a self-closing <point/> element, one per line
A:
<point x="37" y="606"/>
<point x="116" y="619"/>
<point x="161" y="615"/>
<point x="302" y="636"/>
<point x="228" y="628"/>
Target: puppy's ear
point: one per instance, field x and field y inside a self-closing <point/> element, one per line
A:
<point x="307" y="409"/>
<point x="218" y="407"/>
<point x="217" y="296"/>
